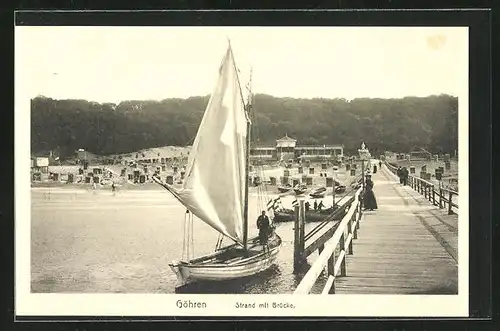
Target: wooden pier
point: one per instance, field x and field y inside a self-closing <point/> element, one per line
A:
<point x="408" y="246"/>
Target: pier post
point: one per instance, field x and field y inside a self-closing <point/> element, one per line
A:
<point x="302" y="221"/>
<point x="299" y="234"/>
<point x="350" y="232"/>
<point x="450" y="195"/>
<point x="333" y="191"/>
<point x="362" y="181"/>
<point x="331" y="271"/>
<point x="440" y="195"/>
<point x="433" y="196"/>
<point x="296" y="239"/>
<point x="342" y="248"/>
<point x="356" y="227"/>
<point x="358" y="213"/>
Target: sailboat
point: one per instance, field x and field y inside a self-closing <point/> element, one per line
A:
<point x="215" y="189"/>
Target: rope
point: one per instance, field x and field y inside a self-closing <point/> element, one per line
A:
<point x="192" y="234"/>
<point x="219" y="242"/>
<point x="188" y="238"/>
<point x="263" y="196"/>
<point x="184" y="241"/>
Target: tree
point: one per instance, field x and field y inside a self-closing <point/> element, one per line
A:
<point x="384" y="124"/>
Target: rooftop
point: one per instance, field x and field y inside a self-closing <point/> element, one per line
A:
<point x="264" y="147"/>
<point x="299" y="147"/>
<point x="319" y="146"/>
<point x="286" y="138"/>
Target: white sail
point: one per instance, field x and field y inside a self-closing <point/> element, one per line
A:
<point x="214" y="188"/>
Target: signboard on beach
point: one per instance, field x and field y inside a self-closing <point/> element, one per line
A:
<point x="42" y="161"/>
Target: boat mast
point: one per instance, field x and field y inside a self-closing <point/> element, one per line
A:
<point x="248" y="106"/>
<point x="247" y="147"/>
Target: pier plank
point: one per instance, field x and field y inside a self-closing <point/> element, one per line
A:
<point x="398" y="250"/>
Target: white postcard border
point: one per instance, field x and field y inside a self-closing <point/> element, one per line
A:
<point x="27" y="303"/>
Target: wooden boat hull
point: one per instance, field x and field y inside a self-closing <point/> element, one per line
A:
<point x="311" y="216"/>
<point x="284" y="189"/>
<point x="340" y="189"/>
<point x="299" y="192"/>
<point x="200" y="270"/>
<point x="319" y="193"/>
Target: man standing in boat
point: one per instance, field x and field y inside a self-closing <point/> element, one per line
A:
<point x="263" y="226"/>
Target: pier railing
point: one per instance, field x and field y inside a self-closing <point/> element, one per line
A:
<point x="441" y="197"/>
<point x="334" y="251"/>
<point x="317" y="243"/>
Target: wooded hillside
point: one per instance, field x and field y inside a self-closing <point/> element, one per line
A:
<point x="384" y="124"/>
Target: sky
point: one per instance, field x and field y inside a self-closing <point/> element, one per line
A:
<point x="113" y="64"/>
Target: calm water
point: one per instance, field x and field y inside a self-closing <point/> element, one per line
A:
<point x="100" y="242"/>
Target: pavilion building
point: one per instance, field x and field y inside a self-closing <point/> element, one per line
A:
<point x="286" y="148"/>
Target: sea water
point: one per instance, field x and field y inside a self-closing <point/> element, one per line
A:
<point x="86" y="241"/>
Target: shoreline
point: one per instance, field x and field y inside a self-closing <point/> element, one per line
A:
<point x="124" y="184"/>
<point x="62" y="185"/>
<point x="448" y="178"/>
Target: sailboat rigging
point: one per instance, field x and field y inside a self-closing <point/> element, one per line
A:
<point x="216" y="183"/>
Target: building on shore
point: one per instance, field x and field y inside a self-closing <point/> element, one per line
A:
<point x="41" y="160"/>
<point x="158" y="155"/>
<point x="419" y="153"/>
<point x="40" y="164"/>
<point x="286" y="148"/>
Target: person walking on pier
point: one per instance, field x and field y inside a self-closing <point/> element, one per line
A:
<point x="369" y="201"/>
<point x="399" y="172"/>
<point x="263" y="226"/>
<point x="405" y="176"/>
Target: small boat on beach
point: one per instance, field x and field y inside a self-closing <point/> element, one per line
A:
<point x="288" y="215"/>
<point x="318" y="193"/>
<point x="215" y="188"/>
<point x="340" y="189"/>
<point x="106" y="182"/>
<point x="300" y="189"/>
<point x="284" y="188"/>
